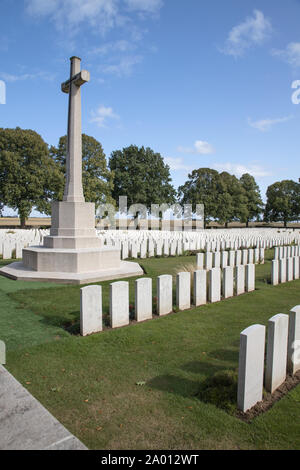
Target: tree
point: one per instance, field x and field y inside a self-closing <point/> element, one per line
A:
<point x="254" y="202"/>
<point x="232" y="200"/>
<point x="28" y="175"/>
<point x="97" y="180"/>
<point x="283" y="202"/>
<point x="142" y="176"/>
<point x="202" y="187"/>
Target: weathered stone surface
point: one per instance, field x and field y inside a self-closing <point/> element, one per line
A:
<point x="143" y="299"/>
<point x="119" y="304"/>
<point x="164" y="294"/>
<point x="275" y="272"/>
<point x="250" y="277"/>
<point x="208" y="260"/>
<point x="296" y="267"/>
<point x="240" y="279"/>
<point x="276" y="362"/>
<point x="214" y="291"/>
<point x="251" y="367"/>
<point x="183" y="290"/>
<point x="282" y="270"/>
<point x="289" y="269"/>
<point x="217" y="259"/>
<point x="227" y="282"/>
<point x="294" y="340"/>
<point x="90" y="310"/>
<point x="200" y="287"/>
<point x="200" y="260"/>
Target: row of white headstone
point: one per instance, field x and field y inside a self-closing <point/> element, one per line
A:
<point x="232" y="258"/>
<point x="285" y="270"/>
<point x="207" y="285"/>
<point x="286" y="251"/>
<point x="283" y="354"/>
<point x="12" y="242"/>
<point x="208" y="240"/>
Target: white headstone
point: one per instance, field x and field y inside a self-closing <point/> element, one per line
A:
<point x="276" y="351"/>
<point x="250" y="277"/>
<point x="200" y="260"/>
<point x="208" y="260"/>
<point x="240" y="279"/>
<point x="294" y="340"/>
<point x="183" y="290"/>
<point x="296" y="267"/>
<point x="119" y="304"/>
<point x="90" y="310"/>
<point x="289" y="269"/>
<point x="200" y="287"/>
<point x="214" y="294"/>
<point x="143" y="299"/>
<point x="164" y="294"/>
<point x="282" y="270"/>
<point x="227" y="282"/>
<point x="251" y="367"/>
<point x="275" y="272"/>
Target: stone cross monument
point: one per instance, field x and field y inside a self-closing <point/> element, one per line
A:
<point x="73" y="189"/>
<point x="72" y="253"/>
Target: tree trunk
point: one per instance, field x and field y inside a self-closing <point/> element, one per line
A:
<point x="23" y="221"/>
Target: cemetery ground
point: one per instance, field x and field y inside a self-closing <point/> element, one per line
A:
<point x="138" y="387"/>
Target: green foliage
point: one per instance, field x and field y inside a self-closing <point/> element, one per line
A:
<point x="220" y="390"/>
<point x="201" y="188"/>
<point x="28" y="175"/>
<point x="254" y="202"/>
<point x="142" y="176"/>
<point x="283" y="201"/>
<point x="97" y="180"/>
<point x="224" y="196"/>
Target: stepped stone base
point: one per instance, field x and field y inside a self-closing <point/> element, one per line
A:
<point x="72" y="254"/>
<point x="82" y="260"/>
<point x="17" y="271"/>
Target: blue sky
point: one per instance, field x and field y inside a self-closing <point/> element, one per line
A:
<point x="206" y="84"/>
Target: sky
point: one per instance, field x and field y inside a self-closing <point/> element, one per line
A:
<point x="204" y="83"/>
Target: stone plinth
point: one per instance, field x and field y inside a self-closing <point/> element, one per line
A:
<point x="82" y="260"/>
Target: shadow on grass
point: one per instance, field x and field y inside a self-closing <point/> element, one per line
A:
<point x="183" y="386"/>
<point x="71" y="325"/>
<point x="218" y="388"/>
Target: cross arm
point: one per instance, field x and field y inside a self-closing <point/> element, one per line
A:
<point x="79" y="79"/>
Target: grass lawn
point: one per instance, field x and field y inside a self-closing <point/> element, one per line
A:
<point x="136" y="387"/>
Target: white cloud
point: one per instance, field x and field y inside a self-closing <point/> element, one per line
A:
<point x="123" y="67"/>
<point x="102" y="114"/>
<point x="8" y="77"/>
<point x="151" y="6"/>
<point x="291" y="54"/>
<point x="252" y="32"/>
<point x="100" y="14"/>
<point x="265" y="125"/>
<point x="239" y="169"/>
<point x="117" y="46"/>
<point x="177" y="164"/>
<point x="200" y="147"/>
